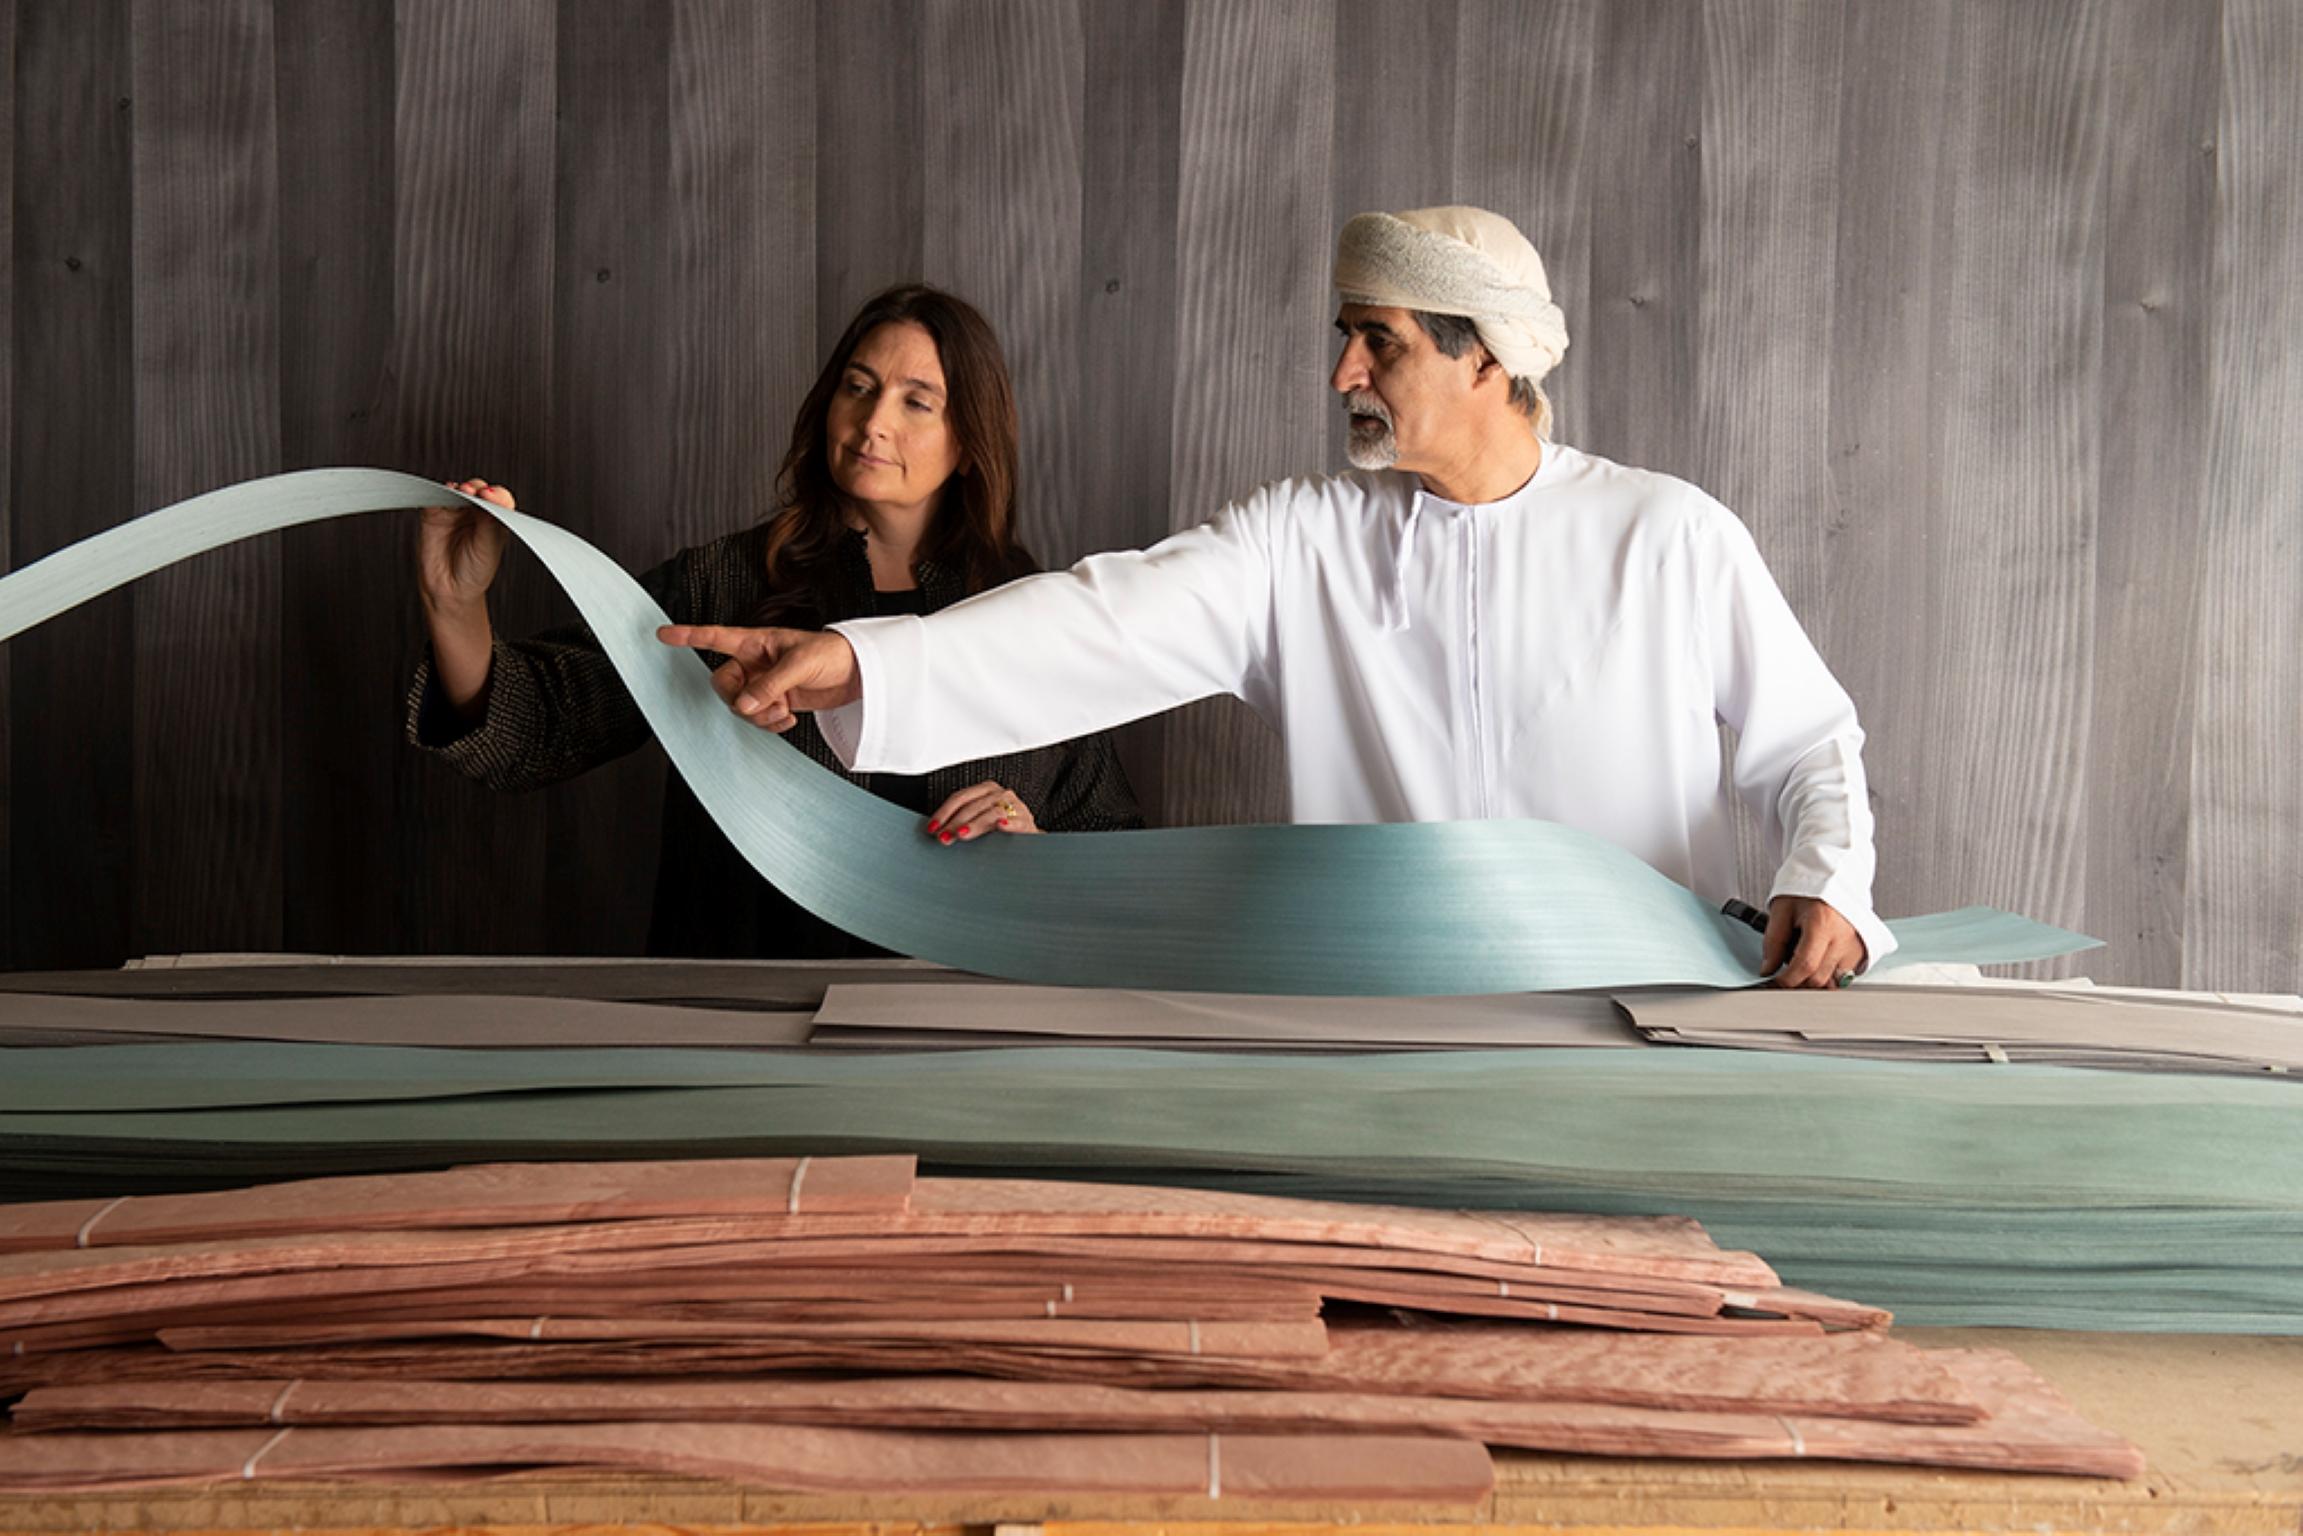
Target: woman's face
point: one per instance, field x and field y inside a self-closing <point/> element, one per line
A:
<point x="888" y="436"/>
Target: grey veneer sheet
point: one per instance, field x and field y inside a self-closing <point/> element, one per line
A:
<point x="922" y="1012"/>
<point x="1434" y="908"/>
<point x="2076" y="1028"/>
<point x="452" y="1021"/>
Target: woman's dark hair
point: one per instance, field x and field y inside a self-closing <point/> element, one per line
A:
<point x="973" y="531"/>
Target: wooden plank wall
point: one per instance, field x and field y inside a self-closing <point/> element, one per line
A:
<point x="1982" y="316"/>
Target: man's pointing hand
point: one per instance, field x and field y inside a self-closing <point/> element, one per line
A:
<point x="771" y="675"/>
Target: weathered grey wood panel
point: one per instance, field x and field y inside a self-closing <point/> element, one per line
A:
<point x="1395" y="105"/>
<point x="1978" y="314"/>
<point x="472" y="349"/>
<point x="1770" y="190"/>
<point x="2163" y="84"/>
<point x="740" y="327"/>
<point x="7" y="425"/>
<point x="71" y="734"/>
<point x="207" y="346"/>
<point x="1003" y="227"/>
<point x="609" y="462"/>
<point x="1251" y="293"/>
<point x="2016" y="522"/>
<point x="1889" y="305"/>
<point x="1522" y="148"/>
<point x="871" y="190"/>
<point x="2243" y="921"/>
<point x="348" y="614"/>
<point x="1124" y="421"/>
<point x="1639" y="326"/>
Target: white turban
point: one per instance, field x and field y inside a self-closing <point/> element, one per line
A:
<point x="1457" y="261"/>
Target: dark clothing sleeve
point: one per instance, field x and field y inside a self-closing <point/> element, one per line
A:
<point x="556" y="706"/>
<point x="1088" y="790"/>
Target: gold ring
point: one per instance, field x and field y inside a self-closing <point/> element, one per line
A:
<point x="1007" y="808"/>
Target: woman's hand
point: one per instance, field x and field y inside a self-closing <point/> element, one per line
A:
<point x="459" y="548"/>
<point x="978" y="809"/>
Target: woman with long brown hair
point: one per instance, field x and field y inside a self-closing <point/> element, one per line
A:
<point x="897" y="495"/>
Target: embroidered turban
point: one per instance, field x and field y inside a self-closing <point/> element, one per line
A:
<point x="1457" y="261"/>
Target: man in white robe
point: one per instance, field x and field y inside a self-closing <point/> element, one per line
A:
<point x="1478" y="622"/>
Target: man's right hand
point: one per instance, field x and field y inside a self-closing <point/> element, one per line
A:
<point x="772" y="675"/>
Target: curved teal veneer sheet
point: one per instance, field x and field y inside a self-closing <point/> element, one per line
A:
<point x="1406" y="910"/>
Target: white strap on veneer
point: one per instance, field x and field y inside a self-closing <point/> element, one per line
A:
<point x="792" y="1200"/>
<point x="89" y="1225"/>
<point x="248" y="1467"/>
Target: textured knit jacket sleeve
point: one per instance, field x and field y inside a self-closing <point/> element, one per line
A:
<point x="555" y="703"/>
<point x="1087" y="789"/>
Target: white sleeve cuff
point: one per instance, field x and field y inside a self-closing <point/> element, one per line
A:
<point x="891" y="657"/>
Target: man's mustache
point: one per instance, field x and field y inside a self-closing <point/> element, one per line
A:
<point x="1361" y="403"/>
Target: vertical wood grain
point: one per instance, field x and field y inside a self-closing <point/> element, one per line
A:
<point x="1394" y="141"/>
<point x="871" y="190"/>
<point x="1253" y="307"/>
<point x="1646" y="126"/>
<point x="609" y="463"/>
<point x="7" y="431"/>
<point x="2243" y="924"/>
<point x="1523" y="149"/>
<point x="206" y="317"/>
<point x="472" y="371"/>
<point x="348" y="622"/>
<point x="71" y="740"/>
<point x="1899" y="87"/>
<point x="1132" y="129"/>
<point x="1767" y="241"/>
<point x="2163" y="89"/>
<point x="740" y="322"/>
<point x="2022" y="360"/>
<point x="1003" y="228"/>
<point x="1979" y="315"/>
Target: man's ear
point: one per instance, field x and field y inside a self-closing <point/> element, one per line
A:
<point x="1489" y="368"/>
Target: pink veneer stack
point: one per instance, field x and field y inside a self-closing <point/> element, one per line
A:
<point x="840" y="1324"/>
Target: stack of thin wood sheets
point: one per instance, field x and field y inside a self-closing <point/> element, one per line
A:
<point x="2109" y="1028"/>
<point x="1954" y="1192"/>
<point x="840" y="1324"/>
<point x="2099" y="1027"/>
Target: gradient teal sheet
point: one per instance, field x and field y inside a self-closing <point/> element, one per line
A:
<point x="2039" y="1196"/>
<point x="1404" y="910"/>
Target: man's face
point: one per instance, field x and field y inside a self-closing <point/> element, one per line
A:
<point x="1405" y="398"/>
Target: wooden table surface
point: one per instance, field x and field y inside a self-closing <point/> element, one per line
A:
<point x="2220" y="1419"/>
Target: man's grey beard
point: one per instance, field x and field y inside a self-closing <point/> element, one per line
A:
<point x="1368" y="446"/>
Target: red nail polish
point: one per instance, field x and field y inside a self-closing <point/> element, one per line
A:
<point x="947" y="837"/>
<point x="935" y="826"/>
<point x="967" y="832"/>
<point x="1003" y="821"/>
